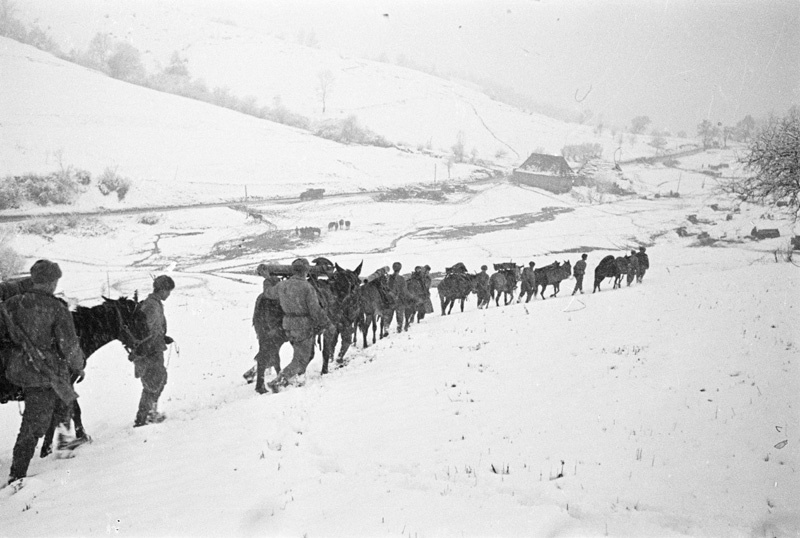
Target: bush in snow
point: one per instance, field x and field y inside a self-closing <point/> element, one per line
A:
<point x="10" y="262"/>
<point x="110" y="182"/>
<point x="348" y="131"/>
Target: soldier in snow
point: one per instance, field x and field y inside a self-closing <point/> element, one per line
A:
<point x="578" y="271"/>
<point x="303" y="319"/>
<point x="633" y="267"/>
<point x="148" y="356"/>
<point x="45" y="354"/>
<point x="482" y="287"/>
<point x="644" y="264"/>
<point x="268" y="323"/>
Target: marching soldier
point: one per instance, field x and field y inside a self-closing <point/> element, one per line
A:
<point x="644" y="264"/>
<point x="47" y="352"/>
<point x="528" y="284"/>
<point x="148" y="357"/>
<point x="633" y="267"/>
<point x="397" y="285"/>
<point x="303" y="319"/>
<point x="482" y="287"/>
<point x="268" y="323"/>
<point x="578" y="271"/>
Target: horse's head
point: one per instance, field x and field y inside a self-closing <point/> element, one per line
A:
<point x="127" y="328"/>
<point x="344" y="281"/>
<point x="113" y="319"/>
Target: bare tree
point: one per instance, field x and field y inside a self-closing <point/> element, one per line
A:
<point x="707" y="132"/>
<point x="325" y="81"/>
<point x="639" y="124"/>
<point x="773" y="155"/>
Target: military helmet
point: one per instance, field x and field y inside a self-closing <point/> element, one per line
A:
<point x="584" y="256"/>
<point x="642" y="249"/>
<point x="483" y="268"/>
<point x="396" y="266"/>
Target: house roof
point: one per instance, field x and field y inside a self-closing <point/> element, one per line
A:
<point x="554" y="165"/>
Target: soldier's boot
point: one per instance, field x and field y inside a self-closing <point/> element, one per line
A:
<point x="154" y="417"/>
<point x="145" y="405"/>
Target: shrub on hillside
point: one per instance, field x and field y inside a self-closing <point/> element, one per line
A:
<point x="150" y="220"/>
<point x="11" y="262"/>
<point x="47" y="227"/>
<point x="110" y="182"/>
<point x="348" y="131"/>
<point x="582" y="152"/>
<point x="11" y="195"/>
<point x="58" y="188"/>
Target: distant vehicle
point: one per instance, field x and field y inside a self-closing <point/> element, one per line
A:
<point x="312" y="194"/>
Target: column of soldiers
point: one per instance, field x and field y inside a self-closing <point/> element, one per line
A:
<point x="40" y="348"/>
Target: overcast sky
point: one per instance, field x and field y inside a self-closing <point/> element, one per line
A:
<point x="676" y="61"/>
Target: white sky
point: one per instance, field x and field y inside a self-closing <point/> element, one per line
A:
<point x="677" y="62"/>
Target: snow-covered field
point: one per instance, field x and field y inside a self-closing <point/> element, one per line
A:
<point x="664" y="409"/>
<point x="652" y="410"/>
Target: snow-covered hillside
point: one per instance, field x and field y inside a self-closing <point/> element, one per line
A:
<point x="228" y="47"/>
<point x="666" y="408"/>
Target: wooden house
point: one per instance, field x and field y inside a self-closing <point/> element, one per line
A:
<point x="548" y="172"/>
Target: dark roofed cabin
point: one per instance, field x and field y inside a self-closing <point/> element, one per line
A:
<point x="548" y="172"/>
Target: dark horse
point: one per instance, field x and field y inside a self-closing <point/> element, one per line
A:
<point x="455" y="286"/>
<point x="504" y="282"/>
<point x="607" y="268"/>
<point x="339" y="298"/>
<point x="623" y="264"/>
<point x="552" y="275"/>
<point x="95" y="326"/>
<point x="373" y="298"/>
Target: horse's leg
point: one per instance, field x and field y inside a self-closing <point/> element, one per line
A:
<point x="347" y="338"/>
<point x="556" y="287"/>
<point x="452" y="302"/>
<point x="463" y="300"/>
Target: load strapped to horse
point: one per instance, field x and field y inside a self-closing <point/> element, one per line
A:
<point x="504" y="281"/>
<point x="457" y="284"/>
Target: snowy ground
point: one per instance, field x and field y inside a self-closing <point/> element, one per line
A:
<point x="658" y="409"/>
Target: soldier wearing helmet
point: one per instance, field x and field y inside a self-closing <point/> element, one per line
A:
<point x="148" y="355"/>
<point x="303" y="318"/>
<point x="397" y="287"/>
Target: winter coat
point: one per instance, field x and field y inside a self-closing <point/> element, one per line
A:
<point x="302" y="314"/>
<point x="48" y="324"/>
<point x="644" y="260"/>
<point x="14" y="287"/>
<point x="397" y="285"/>
<point x="152" y="312"/>
<point x="528" y="276"/>
<point x="580" y="268"/>
<point x="482" y="282"/>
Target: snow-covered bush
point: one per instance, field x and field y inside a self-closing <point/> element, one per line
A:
<point x="110" y="182"/>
